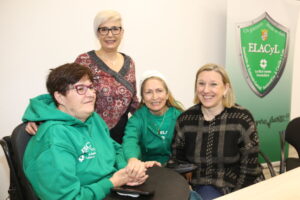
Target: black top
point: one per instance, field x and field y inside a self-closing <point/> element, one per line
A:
<point x="225" y="149"/>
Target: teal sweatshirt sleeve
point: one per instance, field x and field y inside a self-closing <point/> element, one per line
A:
<point x="131" y="138"/>
<point x="120" y="158"/>
<point x="53" y="176"/>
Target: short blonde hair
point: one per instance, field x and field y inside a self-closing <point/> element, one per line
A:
<point x="229" y="98"/>
<point x="104" y="16"/>
<point x="171" y="102"/>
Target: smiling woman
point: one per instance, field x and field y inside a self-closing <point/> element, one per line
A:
<point x="72" y="155"/>
<point x="79" y="99"/>
<point x="218" y="136"/>
<point x="113" y="71"/>
<point x="113" y="75"/>
<point x="149" y="132"/>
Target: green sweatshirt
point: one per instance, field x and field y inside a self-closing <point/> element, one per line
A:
<point x="68" y="158"/>
<point x="149" y="137"/>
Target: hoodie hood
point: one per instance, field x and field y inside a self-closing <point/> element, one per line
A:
<point x="43" y="108"/>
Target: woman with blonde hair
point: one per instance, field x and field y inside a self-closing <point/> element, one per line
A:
<point x="218" y="136"/>
<point x="149" y="132"/>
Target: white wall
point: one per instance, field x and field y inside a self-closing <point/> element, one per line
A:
<point x="173" y="36"/>
<point x="295" y="105"/>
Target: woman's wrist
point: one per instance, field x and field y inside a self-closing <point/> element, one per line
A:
<point x="133" y="159"/>
<point x="113" y="181"/>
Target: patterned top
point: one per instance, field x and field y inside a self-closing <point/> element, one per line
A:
<point x="225" y="149"/>
<point x="116" y="91"/>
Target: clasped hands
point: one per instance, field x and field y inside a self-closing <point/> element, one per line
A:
<point x="133" y="174"/>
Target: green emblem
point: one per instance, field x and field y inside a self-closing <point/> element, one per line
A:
<point x="264" y="49"/>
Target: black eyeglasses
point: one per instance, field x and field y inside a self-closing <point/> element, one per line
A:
<point x="82" y="89"/>
<point x="115" y="30"/>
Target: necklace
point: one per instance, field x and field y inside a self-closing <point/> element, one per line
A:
<point x="161" y="123"/>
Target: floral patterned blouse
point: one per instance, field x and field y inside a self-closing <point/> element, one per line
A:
<point x="116" y="91"/>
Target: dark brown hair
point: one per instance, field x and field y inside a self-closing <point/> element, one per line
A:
<point x="60" y="78"/>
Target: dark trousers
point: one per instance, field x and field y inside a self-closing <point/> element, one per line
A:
<point x="118" y="131"/>
<point x="208" y="192"/>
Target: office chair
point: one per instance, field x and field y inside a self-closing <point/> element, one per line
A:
<point x="291" y="135"/>
<point x="14" y="148"/>
<point x="269" y="163"/>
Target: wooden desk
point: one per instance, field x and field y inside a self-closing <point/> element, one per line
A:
<point x="166" y="184"/>
<point x="285" y="186"/>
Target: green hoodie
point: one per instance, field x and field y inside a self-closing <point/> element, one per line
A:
<point x="68" y="158"/>
<point x="143" y="138"/>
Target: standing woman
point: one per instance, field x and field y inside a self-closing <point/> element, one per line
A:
<point x="218" y="136"/>
<point x="149" y="132"/>
<point x="114" y="74"/>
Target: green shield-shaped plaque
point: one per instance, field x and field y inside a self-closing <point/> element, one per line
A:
<point x="263" y="51"/>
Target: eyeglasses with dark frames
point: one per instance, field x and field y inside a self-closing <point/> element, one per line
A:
<point x="82" y="89"/>
<point x="115" y="30"/>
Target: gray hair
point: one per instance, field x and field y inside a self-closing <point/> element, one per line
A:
<point x="104" y="16"/>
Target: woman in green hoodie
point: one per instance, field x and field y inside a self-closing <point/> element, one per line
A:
<point x="72" y="155"/>
<point x="149" y="132"/>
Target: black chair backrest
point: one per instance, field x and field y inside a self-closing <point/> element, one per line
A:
<point x="19" y="141"/>
<point x="292" y="134"/>
<point x="14" y="190"/>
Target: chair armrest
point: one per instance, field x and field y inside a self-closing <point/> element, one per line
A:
<point x="269" y="164"/>
<point x="282" y="167"/>
<point x="181" y="168"/>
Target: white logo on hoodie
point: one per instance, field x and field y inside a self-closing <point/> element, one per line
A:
<point x="88" y="152"/>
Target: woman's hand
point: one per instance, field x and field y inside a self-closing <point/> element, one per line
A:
<point x="188" y="176"/>
<point x="138" y="181"/>
<point x="135" y="168"/>
<point x="121" y="177"/>
<point x="31" y="128"/>
<point x="149" y="164"/>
